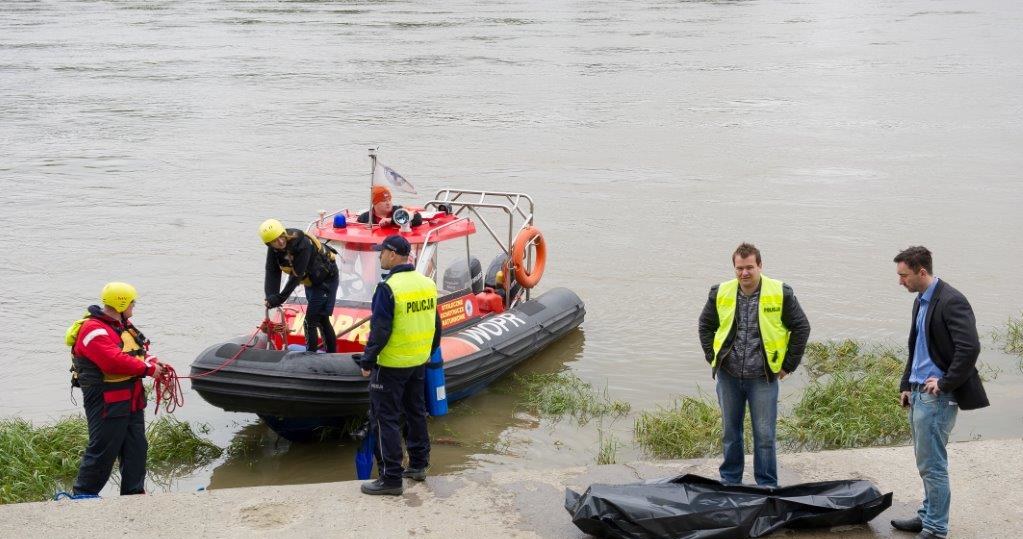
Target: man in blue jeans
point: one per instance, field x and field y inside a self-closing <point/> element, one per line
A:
<point x="940" y="378"/>
<point x="753" y="334"/>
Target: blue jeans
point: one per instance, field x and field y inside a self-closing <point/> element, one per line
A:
<point x="762" y="396"/>
<point x="931" y="418"/>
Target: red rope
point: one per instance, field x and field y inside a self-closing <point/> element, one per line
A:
<point x="167" y="386"/>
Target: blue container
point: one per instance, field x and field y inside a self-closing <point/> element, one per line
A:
<point x="436" y="393"/>
<point x="340" y="221"/>
<point x="364" y="456"/>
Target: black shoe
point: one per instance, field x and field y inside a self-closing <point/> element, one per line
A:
<point x="908" y="524"/>
<point x="378" y="488"/>
<point x="416" y="474"/>
<point x="928" y="534"/>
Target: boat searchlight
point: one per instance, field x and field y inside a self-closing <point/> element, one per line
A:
<point x="402" y="218"/>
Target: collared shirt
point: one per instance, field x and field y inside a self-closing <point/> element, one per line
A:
<point x="923" y="365"/>
<point x="746" y="359"/>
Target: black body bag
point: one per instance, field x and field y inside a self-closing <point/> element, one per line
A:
<point x="694" y="507"/>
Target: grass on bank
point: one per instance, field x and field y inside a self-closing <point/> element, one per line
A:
<point x="689" y="428"/>
<point x="607" y="444"/>
<point x="851" y="401"/>
<point x="1010" y="337"/>
<point x="850" y="409"/>
<point x="176" y="449"/>
<point x="564" y="394"/>
<point x="39" y="461"/>
<point x="834" y="357"/>
<point x="36" y="460"/>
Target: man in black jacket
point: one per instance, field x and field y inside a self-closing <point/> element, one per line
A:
<point x="753" y="334"/>
<point x="306" y="261"/>
<point x="383" y="209"/>
<point x="940" y="378"/>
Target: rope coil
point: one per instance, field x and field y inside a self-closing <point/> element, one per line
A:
<point x="167" y="386"/>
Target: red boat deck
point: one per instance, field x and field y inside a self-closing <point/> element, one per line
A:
<point x="359" y="237"/>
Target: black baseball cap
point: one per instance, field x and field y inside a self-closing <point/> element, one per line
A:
<point x="394" y="243"/>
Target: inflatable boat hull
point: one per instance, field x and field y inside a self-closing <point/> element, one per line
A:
<point x="281" y="385"/>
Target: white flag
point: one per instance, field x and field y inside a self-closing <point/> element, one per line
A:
<point x="386" y="176"/>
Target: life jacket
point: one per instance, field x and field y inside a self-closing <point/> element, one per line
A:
<point x="415" y="316"/>
<point x="83" y="371"/>
<point x="773" y="332"/>
<point x="321" y="265"/>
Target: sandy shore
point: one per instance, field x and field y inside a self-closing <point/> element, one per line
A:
<point x="986" y="486"/>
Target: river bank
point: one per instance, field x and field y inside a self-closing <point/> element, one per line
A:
<point x="654" y="137"/>
<point x="522" y="503"/>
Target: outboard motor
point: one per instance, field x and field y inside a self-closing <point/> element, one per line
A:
<point x="460" y="276"/>
<point x="491" y="280"/>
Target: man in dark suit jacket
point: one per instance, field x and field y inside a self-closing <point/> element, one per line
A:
<point x="940" y="378"/>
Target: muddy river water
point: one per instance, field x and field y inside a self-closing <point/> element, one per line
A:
<point x="145" y="141"/>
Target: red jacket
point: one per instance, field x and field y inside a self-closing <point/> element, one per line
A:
<point x="99" y="341"/>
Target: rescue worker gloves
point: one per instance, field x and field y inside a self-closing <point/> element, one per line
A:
<point x="270" y="230"/>
<point x="118" y="296"/>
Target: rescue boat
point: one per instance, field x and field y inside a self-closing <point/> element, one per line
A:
<point x="492" y="320"/>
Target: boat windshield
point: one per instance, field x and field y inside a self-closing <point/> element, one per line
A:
<point x="360" y="273"/>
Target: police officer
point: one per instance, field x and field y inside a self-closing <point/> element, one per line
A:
<point x="306" y="261"/>
<point x="404" y="332"/>
<point x="110" y="359"/>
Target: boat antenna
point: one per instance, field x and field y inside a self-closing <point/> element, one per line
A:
<point x="372" y="171"/>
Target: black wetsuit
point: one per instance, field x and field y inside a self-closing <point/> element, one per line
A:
<point x="309" y="263"/>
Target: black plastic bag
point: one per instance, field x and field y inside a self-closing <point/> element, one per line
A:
<point x="694" y="507"/>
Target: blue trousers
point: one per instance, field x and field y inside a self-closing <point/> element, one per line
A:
<point x="762" y="396"/>
<point x="931" y="418"/>
<point x="394" y="394"/>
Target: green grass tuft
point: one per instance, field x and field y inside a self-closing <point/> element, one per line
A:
<point x="565" y="394"/>
<point x="175" y="449"/>
<point x="690" y="428"/>
<point x="848" y="410"/>
<point x="822" y="359"/>
<point x="608" y="444"/>
<point x="1010" y="337"/>
<point x="852" y="399"/>
<point x="39" y="461"/>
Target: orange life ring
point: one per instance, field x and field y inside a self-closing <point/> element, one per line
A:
<point x="529" y="279"/>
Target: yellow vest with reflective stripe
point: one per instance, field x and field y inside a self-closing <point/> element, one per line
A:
<point x="129" y="345"/>
<point x="415" y="315"/>
<point x="773" y="332"/>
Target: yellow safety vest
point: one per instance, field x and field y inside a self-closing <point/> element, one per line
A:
<point x="773" y="332"/>
<point x="415" y="314"/>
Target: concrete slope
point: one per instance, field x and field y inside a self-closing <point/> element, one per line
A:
<point x="986" y="485"/>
